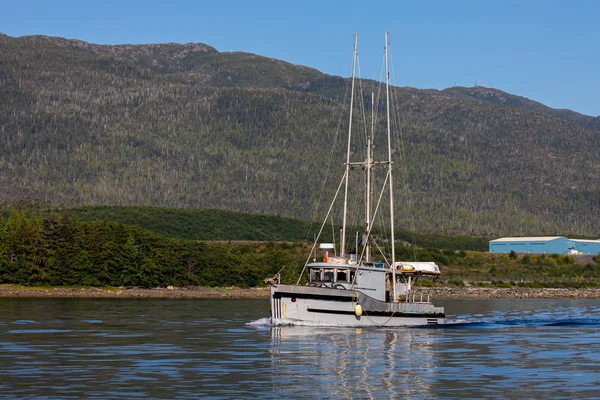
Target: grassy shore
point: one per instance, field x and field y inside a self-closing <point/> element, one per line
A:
<point x="438" y="292"/>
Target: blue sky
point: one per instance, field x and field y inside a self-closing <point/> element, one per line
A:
<point x="545" y="50"/>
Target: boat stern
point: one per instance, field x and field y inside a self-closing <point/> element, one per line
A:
<point x="275" y="305"/>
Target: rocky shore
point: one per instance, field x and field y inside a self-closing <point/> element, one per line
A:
<point x="159" y="293"/>
<point x="512" y="293"/>
<point x="258" y="293"/>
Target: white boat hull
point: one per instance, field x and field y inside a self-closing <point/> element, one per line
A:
<point x="325" y="306"/>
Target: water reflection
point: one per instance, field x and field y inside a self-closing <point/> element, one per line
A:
<point x="372" y="362"/>
<point x="495" y="348"/>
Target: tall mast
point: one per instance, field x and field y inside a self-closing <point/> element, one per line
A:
<point x="343" y="238"/>
<point x="368" y="169"/>
<point x="387" y="92"/>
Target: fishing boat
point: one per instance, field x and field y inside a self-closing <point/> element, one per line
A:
<point x="357" y="289"/>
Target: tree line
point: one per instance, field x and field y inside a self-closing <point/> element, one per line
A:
<point x="58" y="250"/>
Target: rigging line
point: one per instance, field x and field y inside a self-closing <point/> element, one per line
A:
<point x="378" y="97"/>
<point x="391" y="185"/>
<point x="328" y="169"/>
<point x="381" y="81"/>
<point x="366" y="315"/>
<point x="409" y="215"/>
<point x="376" y="112"/>
<point x="355" y="199"/>
<point x="362" y="99"/>
<point x="333" y="234"/>
<point x="329" y="162"/>
<point x="384" y="232"/>
<point x="400" y="140"/>
<point x="385" y="323"/>
<point x="375" y="213"/>
<point x="383" y="255"/>
<point x="382" y="223"/>
<point x="363" y="145"/>
<point x="322" y="226"/>
<point x="380" y="86"/>
<point x="359" y="208"/>
<point x="348" y="147"/>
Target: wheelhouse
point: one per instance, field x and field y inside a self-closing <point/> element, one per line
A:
<point x="326" y="275"/>
<point x="369" y="278"/>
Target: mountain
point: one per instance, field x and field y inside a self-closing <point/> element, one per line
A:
<point x="594" y="124"/>
<point x="499" y="97"/>
<point x="184" y="125"/>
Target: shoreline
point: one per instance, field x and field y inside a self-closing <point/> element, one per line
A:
<point x="513" y="293"/>
<point x="445" y="292"/>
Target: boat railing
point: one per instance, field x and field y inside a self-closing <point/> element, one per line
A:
<point x="417" y="300"/>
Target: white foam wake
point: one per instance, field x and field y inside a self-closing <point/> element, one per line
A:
<point x="260" y="322"/>
<point x="288" y="322"/>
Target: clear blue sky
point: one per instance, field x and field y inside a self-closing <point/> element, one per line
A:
<point x="545" y="50"/>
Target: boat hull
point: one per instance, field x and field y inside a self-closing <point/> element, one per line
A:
<point x="326" y="306"/>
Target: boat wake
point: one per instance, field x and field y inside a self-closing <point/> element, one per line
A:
<point x="515" y="323"/>
<point x="458" y="323"/>
<point x="260" y="322"/>
<point x="288" y="322"/>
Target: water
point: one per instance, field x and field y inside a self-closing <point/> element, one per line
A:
<point x="148" y="348"/>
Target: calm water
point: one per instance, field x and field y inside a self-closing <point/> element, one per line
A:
<point x="143" y="348"/>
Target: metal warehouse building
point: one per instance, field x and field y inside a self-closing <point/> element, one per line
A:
<point x="544" y="245"/>
<point x="586" y="246"/>
<point x="540" y="245"/>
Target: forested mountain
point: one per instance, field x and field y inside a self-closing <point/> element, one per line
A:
<point x="499" y="97"/>
<point x="187" y="126"/>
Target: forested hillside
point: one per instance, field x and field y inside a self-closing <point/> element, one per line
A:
<point x="219" y="225"/>
<point x="188" y="126"/>
<point x="61" y="250"/>
<point x="499" y="97"/>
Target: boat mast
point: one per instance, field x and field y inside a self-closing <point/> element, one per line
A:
<point x="387" y="91"/>
<point x="368" y="169"/>
<point x="343" y="238"/>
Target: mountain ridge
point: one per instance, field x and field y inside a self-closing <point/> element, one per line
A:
<point x="191" y="48"/>
<point x="242" y="132"/>
<point x="500" y="97"/>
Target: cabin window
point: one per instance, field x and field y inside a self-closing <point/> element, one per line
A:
<point x="328" y="275"/>
<point x="352" y="275"/>
<point x="315" y="275"/>
<point x="342" y="275"/>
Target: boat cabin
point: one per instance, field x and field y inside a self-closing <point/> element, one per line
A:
<point x="343" y="274"/>
<point x="371" y="278"/>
